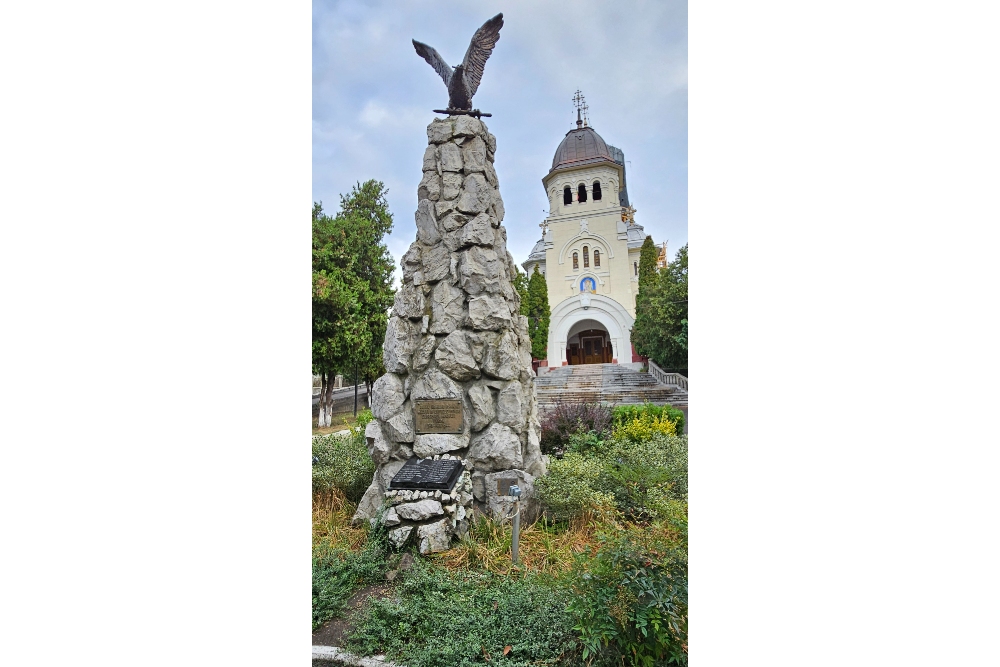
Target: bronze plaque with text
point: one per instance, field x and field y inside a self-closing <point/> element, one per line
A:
<point x="442" y="415"/>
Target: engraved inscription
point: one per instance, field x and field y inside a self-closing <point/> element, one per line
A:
<point x="427" y="475"/>
<point x="438" y="416"/>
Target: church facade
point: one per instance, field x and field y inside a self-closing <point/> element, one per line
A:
<point x="588" y="253"/>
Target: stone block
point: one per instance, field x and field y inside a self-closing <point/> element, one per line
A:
<point x="478" y="232"/>
<point x="410" y="261"/>
<point x="434" y="384"/>
<point x="430" y="186"/>
<point x="433" y="444"/>
<point x="401" y="337"/>
<point x="510" y="407"/>
<point x="500" y="507"/>
<point x="435" y="263"/>
<point x="502" y="359"/>
<point x="399" y="428"/>
<point x="409" y="302"/>
<point x="390" y="518"/>
<point x="454" y="357"/>
<point x="434" y="537"/>
<point x="467" y="126"/>
<point x="450" y="157"/>
<point x="474" y="155"/>
<point x="379" y="447"/>
<point x="439" y="131"/>
<point x="495" y="448"/>
<point x="453" y="221"/>
<point x="369" y="505"/>
<point x="420" y="510"/>
<point x="483" y="407"/>
<point x="400" y="535"/>
<point x="427" y="231"/>
<point x="430" y="159"/>
<point x="488" y="312"/>
<point x="447" y="309"/>
<point x="422" y="355"/>
<point x="477" y="195"/>
<point x="480" y="270"/>
<point x="451" y="185"/>
<point x="387" y="396"/>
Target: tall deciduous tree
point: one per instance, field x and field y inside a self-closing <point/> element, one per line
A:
<point x="352" y="288"/>
<point x="661" y="322"/>
<point x="538" y="314"/>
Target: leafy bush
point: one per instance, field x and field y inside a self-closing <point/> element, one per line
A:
<point x="643" y="480"/>
<point x="569" y="418"/>
<point x="445" y="619"/>
<point x="570" y="487"/>
<point x="625" y="413"/>
<point x="642" y="428"/>
<point x="337" y="572"/>
<point x="645" y="477"/>
<point x="342" y="462"/>
<point x="630" y="600"/>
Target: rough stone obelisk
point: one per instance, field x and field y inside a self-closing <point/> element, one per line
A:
<point x="455" y="333"/>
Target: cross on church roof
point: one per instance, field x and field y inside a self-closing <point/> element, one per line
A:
<point x="581" y="106"/>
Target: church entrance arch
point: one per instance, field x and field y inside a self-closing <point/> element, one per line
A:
<point x="588" y="343"/>
<point x="602" y="320"/>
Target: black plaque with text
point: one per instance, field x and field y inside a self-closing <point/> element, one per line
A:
<point x="427" y="475"/>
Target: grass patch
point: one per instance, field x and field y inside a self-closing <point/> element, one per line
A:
<point x="459" y="619"/>
<point x="544" y="547"/>
<point x="337" y="570"/>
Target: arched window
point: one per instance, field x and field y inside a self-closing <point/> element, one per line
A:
<point x="567" y="196"/>
<point x="597" y="255"/>
<point x="597" y="191"/>
<point x="576" y="262"/>
<point x="635" y="265"/>
<point x="586" y="257"/>
<point x="581" y="193"/>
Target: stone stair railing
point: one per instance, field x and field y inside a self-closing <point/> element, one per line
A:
<point x="669" y="379"/>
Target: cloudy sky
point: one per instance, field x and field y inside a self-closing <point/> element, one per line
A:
<point x="373" y="96"/>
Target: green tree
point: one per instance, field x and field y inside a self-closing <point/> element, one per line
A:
<point x="661" y="323"/>
<point x="352" y="288"/>
<point x="538" y="314"/>
<point x="647" y="263"/>
<point x="521" y="287"/>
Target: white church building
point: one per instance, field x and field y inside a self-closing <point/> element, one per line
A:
<point x="588" y="253"/>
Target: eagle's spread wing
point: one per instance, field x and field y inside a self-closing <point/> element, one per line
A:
<point x="479" y="51"/>
<point x="435" y="60"/>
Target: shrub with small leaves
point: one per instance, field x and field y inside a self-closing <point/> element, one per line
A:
<point x="631" y="600"/>
<point x="570" y="487"/>
<point x="342" y="462"/>
<point x="642" y="428"/>
<point x="625" y="413"/>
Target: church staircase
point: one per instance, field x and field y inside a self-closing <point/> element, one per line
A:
<point x="605" y="383"/>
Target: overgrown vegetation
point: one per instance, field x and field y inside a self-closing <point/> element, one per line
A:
<point x="571" y="417"/>
<point x="630" y="600"/>
<point x="337" y="572"/>
<point x="602" y="577"/>
<point x="341" y="462"/>
<point x="441" y="618"/>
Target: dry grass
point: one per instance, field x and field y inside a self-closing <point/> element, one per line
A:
<point x="542" y="547"/>
<point x="331" y="521"/>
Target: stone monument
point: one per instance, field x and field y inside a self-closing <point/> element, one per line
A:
<point x="459" y="384"/>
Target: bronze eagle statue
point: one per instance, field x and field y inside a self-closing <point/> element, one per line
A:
<point x="463" y="80"/>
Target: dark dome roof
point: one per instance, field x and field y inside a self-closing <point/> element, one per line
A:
<point x="579" y="147"/>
